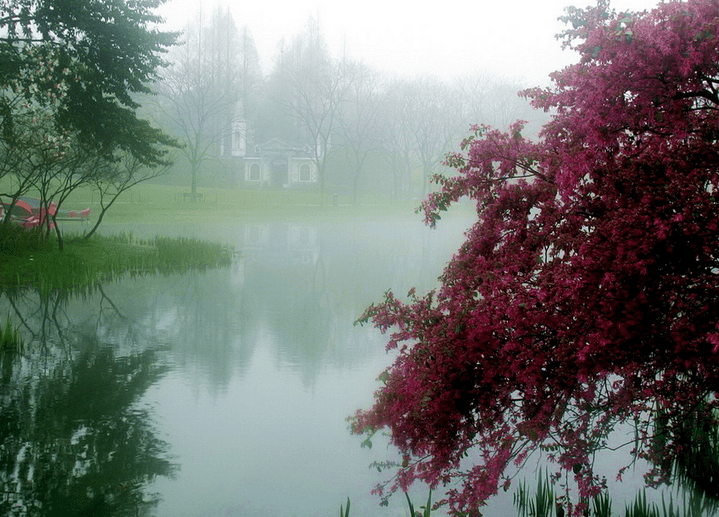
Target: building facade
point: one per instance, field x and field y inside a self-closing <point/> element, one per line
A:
<point x="277" y="164"/>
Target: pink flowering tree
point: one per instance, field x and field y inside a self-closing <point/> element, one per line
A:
<point x="33" y="148"/>
<point x="586" y="295"/>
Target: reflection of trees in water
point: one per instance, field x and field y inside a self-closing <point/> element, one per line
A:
<point x="196" y="315"/>
<point x="306" y="284"/>
<point x="74" y="441"/>
<point x="283" y="299"/>
<point x="206" y="325"/>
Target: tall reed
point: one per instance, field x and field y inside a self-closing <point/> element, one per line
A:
<point x="542" y="504"/>
<point x="10" y="340"/>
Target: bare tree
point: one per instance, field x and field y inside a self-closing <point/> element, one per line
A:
<point x="396" y="136"/>
<point x="313" y="87"/>
<point x="485" y="99"/>
<point x="200" y="92"/>
<point x="113" y="178"/>
<point x="358" y="119"/>
<point x="432" y="124"/>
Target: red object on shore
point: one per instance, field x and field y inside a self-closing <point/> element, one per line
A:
<point x="31" y="212"/>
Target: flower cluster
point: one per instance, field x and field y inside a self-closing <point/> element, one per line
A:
<point x="586" y="294"/>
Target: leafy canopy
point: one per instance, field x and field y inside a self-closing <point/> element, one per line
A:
<point x="112" y="47"/>
<point x="587" y="293"/>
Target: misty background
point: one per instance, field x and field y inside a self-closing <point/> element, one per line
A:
<point x="351" y="101"/>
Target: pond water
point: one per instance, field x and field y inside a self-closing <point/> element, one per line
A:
<point x="216" y="393"/>
<point x="222" y="392"/>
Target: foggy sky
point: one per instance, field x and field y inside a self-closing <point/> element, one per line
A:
<point x="510" y="39"/>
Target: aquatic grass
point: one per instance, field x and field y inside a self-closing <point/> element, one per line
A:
<point x="602" y="505"/>
<point x="10" y="340"/>
<point x="426" y="509"/>
<point x="695" y="503"/>
<point x="698" y="463"/>
<point x="346" y="511"/>
<point x="542" y="504"/>
<point x="641" y="507"/>
<point x="85" y="263"/>
<point x="194" y="253"/>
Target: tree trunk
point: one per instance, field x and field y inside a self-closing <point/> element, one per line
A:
<point x="193" y="184"/>
<point x="58" y="233"/>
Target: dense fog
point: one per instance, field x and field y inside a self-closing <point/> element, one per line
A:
<point x="316" y="120"/>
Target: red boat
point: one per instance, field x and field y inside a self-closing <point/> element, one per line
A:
<point x="30" y="212"/>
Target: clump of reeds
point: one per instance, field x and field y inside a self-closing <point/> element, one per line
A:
<point x="10" y="340"/>
<point x="18" y="240"/>
<point x="183" y="252"/>
<point x="84" y="263"/>
<point x="698" y="463"/>
<point x="541" y="504"/>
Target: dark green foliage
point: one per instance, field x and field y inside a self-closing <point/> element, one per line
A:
<point x="19" y="241"/>
<point x="113" y="50"/>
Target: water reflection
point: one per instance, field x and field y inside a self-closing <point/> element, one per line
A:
<point x="74" y="440"/>
<point x="221" y="392"/>
<point x="242" y="376"/>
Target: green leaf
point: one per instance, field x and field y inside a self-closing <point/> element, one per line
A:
<point x="346" y="511"/>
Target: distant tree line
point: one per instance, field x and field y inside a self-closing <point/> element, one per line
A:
<point x="364" y="131"/>
<point x="96" y="94"/>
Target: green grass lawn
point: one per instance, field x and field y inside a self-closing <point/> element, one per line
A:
<point x="163" y="203"/>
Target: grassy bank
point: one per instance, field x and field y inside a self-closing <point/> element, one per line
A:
<point x="30" y="261"/>
<point x="83" y="263"/>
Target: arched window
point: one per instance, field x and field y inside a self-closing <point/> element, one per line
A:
<point x="305" y="172"/>
<point x="255" y="172"/>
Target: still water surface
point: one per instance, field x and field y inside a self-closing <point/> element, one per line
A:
<point x="216" y="393"/>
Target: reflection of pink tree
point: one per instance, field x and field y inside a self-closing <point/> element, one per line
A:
<point x="586" y="294"/>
